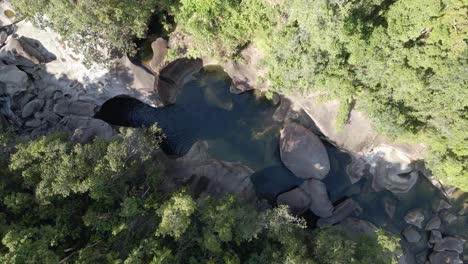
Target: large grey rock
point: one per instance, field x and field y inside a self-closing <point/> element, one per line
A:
<point x="14" y="79"/>
<point x="173" y="76"/>
<point x="3" y="37"/>
<point x="392" y="170"/>
<point x="33" y="123"/>
<point x="159" y="47"/>
<point x="435" y="237"/>
<point x="78" y="108"/>
<point x="441" y="205"/>
<point x="411" y="234"/>
<point x="448" y="217"/>
<point x="449" y="244"/>
<point x="84" y="129"/>
<point x="303" y="152"/>
<point x="32" y="107"/>
<point x="211" y="176"/>
<point x="25" y="51"/>
<point x="320" y="203"/>
<point x="444" y="257"/>
<point x="415" y="217"/>
<point x="341" y="211"/>
<point x="297" y="200"/>
<point x="246" y="73"/>
<point x="433" y="223"/>
<point x="354" y="227"/>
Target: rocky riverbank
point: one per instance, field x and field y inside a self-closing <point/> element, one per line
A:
<point x="44" y="87"/>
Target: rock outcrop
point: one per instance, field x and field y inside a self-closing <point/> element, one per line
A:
<point x="341" y="212"/>
<point x="84" y="129"/>
<point x="246" y="73"/>
<point x="415" y="217"/>
<point x="159" y="47"/>
<point x="392" y="170"/>
<point x="411" y="234"/>
<point x="320" y="203"/>
<point x="445" y="257"/>
<point x="211" y="176"/>
<point x="303" y="153"/>
<point x="297" y="200"/>
<point x="173" y="76"/>
<point x="449" y="244"/>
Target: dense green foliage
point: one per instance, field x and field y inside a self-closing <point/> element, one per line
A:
<point x="111" y="203"/>
<point x="404" y="62"/>
<point x="99" y="30"/>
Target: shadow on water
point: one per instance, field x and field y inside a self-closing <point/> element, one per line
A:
<point x="236" y="127"/>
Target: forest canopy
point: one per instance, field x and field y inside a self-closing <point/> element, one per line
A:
<point x="404" y="62"/>
<point x="110" y="202"/>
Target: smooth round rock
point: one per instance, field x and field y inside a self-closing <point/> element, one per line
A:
<point x="320" y="203"/>
<point x="303" y="152"/>
<point x="297" y="200"/>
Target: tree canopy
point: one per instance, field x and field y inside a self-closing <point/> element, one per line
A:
<point x="111" y="202"/>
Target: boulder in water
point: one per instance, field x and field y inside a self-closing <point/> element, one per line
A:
<point x="297" y="200"/>
<point x="320" y="203"/>
<point x="303" y="153"/>
<point x="341" y="212"/>
<point x="411" y="234"/>
<point x="449" y="244"/>
<point x="435" y="237"/>
<point x="415" y="217"/>
<point x="433" y="223"/>
<point x="219" y="176"/>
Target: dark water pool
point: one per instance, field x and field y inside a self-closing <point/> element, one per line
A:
<point x="236" y="127"/>
<point x="241" y="128"/>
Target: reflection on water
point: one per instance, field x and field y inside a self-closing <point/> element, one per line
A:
<point x="241" y="128"/>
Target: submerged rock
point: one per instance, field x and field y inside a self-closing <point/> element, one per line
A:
<point x="297" y="200"/>
<point x="415" y="217"/>
<point x="411" y="234"/>
<point x="320" y="203"/>
<point x="303" y="152"/>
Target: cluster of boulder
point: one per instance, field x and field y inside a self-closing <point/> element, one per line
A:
<point x="33" y="104"/>
<point x="304" y="154"/>
<point x="429" y="235"/>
